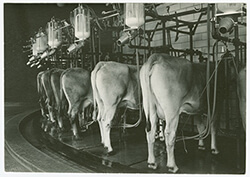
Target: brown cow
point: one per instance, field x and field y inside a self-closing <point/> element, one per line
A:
<point x="42" y="95"/>
<point x="171" y="86"/>
<point x="60" y="101"/>
<point x="114" y="85"/>
<point x="76" y="86"/>
<point x="50" y="98"/>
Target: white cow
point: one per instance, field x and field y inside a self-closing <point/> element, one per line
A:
<point x="170" y="86"/>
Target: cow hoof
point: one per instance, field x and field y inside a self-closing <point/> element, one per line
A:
<point x="42" y="126"/>
<point x="152" y="166"/>
<point x="156" y="136"/>
<point x="110" y="153"/>
<point x="107" y="152"/>
<point x="214" y="151"/>
<point x="201" y="148"/>
<point x="162" y="138"/>
<point x="59" y="136"/>
<point x="83" y="130"/>
<point x="76" y="137"/>
<point x="60" y="130"/>
<point x="46" y="127"/>
<point x="173" y="169"/>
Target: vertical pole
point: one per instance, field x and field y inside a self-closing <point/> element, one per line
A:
<point x="82" y="57"/>
<point x="208" y="59"/>
<point x="149" y="44"/>
<point x="226" y="93"/>
<point x="93" y="46"/>
<point x="236" y="45"/>
<point x="144" y="38"/>
<point x="164" y="33"/>
<point x="138" y="77"/>
<point x="191" y="59"/>
<point x="191" y="42"/>
<point x="99" y="46"/>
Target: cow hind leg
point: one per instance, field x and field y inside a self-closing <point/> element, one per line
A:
<point x="101" y="131"/>
<point x="51" y="113"/>
<point x="170" y="136"/>
<point x="74" y="123"/>
<point x="108" y="116"/>
<point x="150" y="134"/>
<point x="60" y="122"/>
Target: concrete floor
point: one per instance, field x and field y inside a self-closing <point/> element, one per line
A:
<point x="12" y="110"/>
<point x="20" y="155"/>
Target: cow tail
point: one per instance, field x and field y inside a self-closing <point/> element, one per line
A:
<point x="38" y="80"/>
<point x="62" y="96"/>
<point x="95" y="91"/>
<point x="146" y="90"/>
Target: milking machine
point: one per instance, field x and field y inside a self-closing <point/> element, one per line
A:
<point x="38" y="46"/>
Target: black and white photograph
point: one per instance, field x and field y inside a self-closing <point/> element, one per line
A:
<point x="124" y="88"/>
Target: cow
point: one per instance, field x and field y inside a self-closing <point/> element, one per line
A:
<point x="50" y="98"/>
<point x="241" y="92"/>
<point x="115" y="85"/>
<point x="76" y="85"/>
<point x="60" y="104"/>
<point x="42" y="95"/>
<point x="171" y="86"/>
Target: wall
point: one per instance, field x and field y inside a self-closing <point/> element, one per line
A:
<point x="200" y="36"/>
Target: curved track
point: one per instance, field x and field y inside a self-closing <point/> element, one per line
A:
<point x="88" y="155"/>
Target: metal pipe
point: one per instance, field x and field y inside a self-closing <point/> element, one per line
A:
<point x="208" y="60"/>
<point x="138" y="78"/>
<point x="164" y="33"/>
<point x="236" y="44"/>
<point x="172" y="16"/>
<point x="191" y="42"/>
<point x="93" y="45"/>
<point x="99" y="47"/>
<point x="174" y="26"/>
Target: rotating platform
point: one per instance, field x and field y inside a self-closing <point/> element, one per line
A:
<point x="130" y="151"/>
